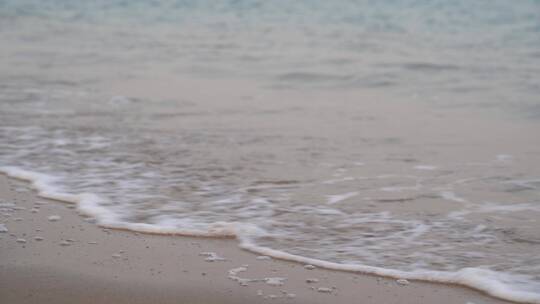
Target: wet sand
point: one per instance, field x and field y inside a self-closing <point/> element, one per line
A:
<point x="70" y="260"/>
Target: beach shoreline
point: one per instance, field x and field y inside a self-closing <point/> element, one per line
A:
<point x="203" y="152"/>
<point x="66" y="260"/>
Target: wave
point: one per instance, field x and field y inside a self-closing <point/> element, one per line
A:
<point x="497" y="284"/>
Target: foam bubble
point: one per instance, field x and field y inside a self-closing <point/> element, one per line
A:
<point x="212" y="257"/>
<point x="54" y="218"/>
<point x="236" y="271"/>
<point x="451" y="196"/>
<point x="233" y="275"/>
<point x="402" y="282"/>
<point x="290" y="295"/>
<point x="275" y="281"/>
<point x="338" y="180"/>
<point x="325" y="289"/>
<point x="333" y="199"/>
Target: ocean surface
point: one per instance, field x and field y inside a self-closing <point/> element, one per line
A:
<point x="400" y="138"/>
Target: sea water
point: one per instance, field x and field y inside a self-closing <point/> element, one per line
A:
<point x="391" y="137"/>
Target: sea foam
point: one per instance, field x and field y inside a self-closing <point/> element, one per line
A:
<point x="494" y="283"/>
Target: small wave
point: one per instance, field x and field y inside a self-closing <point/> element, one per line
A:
<point x="497" y="284"/>
<point x="494" y="283"/>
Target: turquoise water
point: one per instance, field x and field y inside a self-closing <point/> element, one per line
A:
<point x="448" y="47"/>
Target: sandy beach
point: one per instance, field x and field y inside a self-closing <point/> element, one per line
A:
<point x="65" y="259"/>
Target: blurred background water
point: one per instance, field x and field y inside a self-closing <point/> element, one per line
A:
<point x="410" y="47"/>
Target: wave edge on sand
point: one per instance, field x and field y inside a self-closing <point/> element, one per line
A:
<point x="487" y="281"/>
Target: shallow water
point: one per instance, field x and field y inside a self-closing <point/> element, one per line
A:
<point x="389" y="137"/>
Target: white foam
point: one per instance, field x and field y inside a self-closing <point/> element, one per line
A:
<point x="325" y="289"/>
<point x="233" y="275"/>
<point x="212" y="257"/>
<point x="333" y="199"/>
<point x="402" y="282"/>
<point x="491" y="282"/>
<point x="237" y="270"/>
<point x="338" y="180"/>
<point x="45" y="185"/>
<point x="451" y="196"/>
<point x="503" y="208"/>
<point x="3" y="228"/>
<point x="497" y="284"/>
<point x="120" y="100"/>
<point x="417" y="231"/>
<point x="426" y="167"/>
<point x="399" y="188"/>
<point x="275" y="281"/>
<point x="54" y="218"/>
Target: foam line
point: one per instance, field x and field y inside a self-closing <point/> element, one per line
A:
<point x="487" y="281"/>
<point x="87" y="203"/>
<point x="484" y="280"/>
